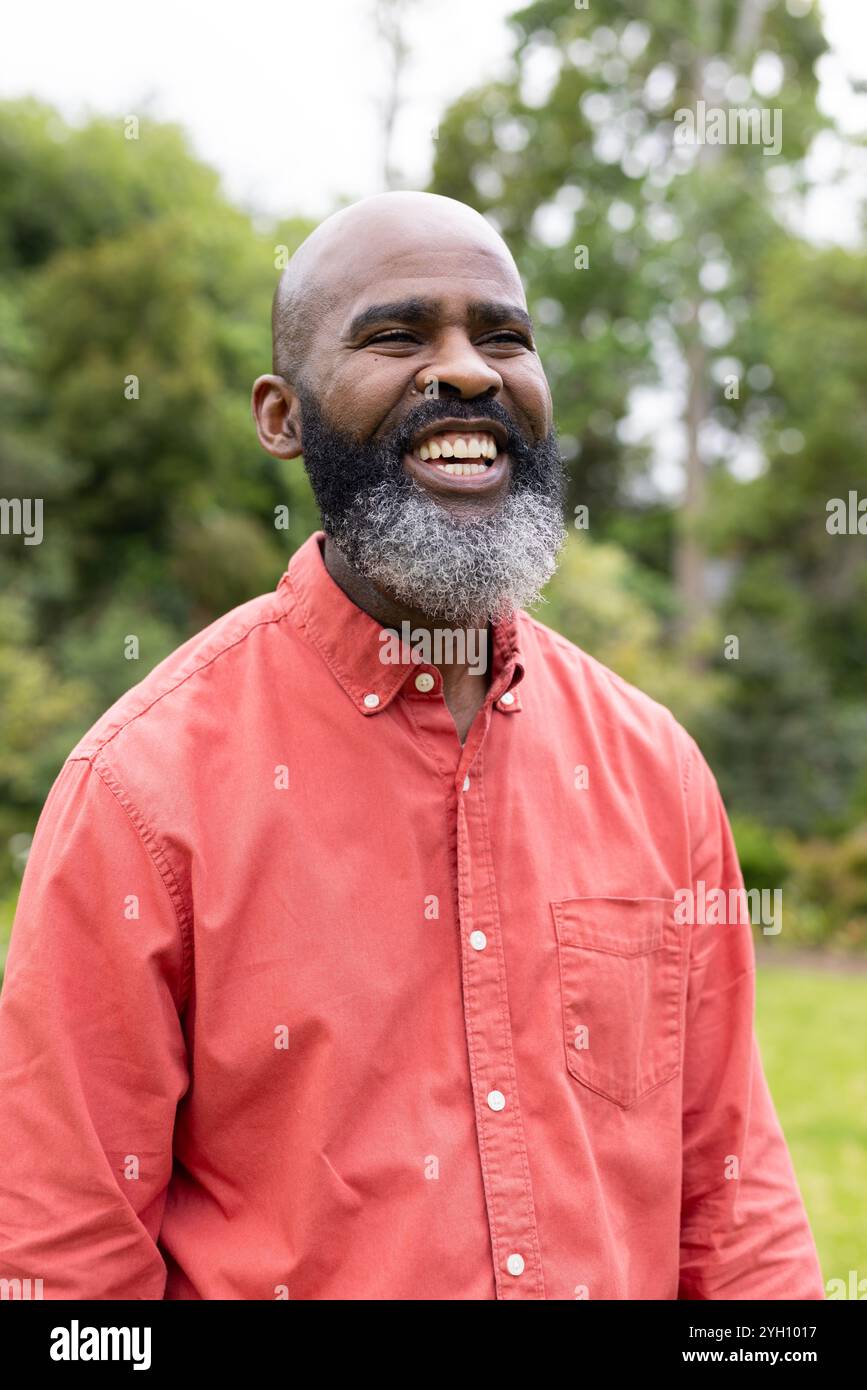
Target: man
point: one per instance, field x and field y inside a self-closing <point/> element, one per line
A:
<point x="348" y="963"/>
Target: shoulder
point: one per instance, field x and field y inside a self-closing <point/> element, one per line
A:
<point x="201" y="674"/>
<point x="631" y="722"/>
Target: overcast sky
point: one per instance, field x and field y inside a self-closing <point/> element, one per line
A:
<point x="282" y="98"/>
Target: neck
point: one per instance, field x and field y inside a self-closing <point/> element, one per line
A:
<point x="464" y="683"/>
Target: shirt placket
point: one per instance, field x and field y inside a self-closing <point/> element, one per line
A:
<point x="502" y="1145"/>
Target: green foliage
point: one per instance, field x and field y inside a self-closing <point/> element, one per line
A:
<point x="766" y="856"/>
<point x="783" y="748"/>
<point x="64" y="187"/>
<point x="611" y="607"/>
<point x="587" y="158"/>
<point x="829" y="889"/>
<point x="134" y="316"/>
<point x="35" y="709"/>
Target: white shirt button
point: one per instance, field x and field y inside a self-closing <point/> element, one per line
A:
<point x="515" y="1264"/>
<point x="496" y="1100"/>
<point x="371" y="701"/>
<point x="467" y="783"/>
<point x="478" y="940"/>
<point x="507" y="699"/>
<point x="424" y="682"/>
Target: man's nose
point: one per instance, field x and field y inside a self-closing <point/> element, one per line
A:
<point x="459" y="369"/>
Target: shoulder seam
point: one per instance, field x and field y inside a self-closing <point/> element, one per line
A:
<point x="613" y="678"/>
<point x="550" y="632"/>
<point x="90" y="751"/>
<point x="689" y="762"/>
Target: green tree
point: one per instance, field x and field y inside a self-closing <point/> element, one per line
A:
<point x="639" y="251"/>
<point x="134" y="316"/>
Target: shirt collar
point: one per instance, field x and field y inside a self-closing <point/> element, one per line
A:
<point x="349" y="640"/>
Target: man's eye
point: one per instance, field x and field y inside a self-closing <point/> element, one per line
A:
<point x="402" y="335"/>
<point x="510" y="336"/>
<point x="395" y="335"/>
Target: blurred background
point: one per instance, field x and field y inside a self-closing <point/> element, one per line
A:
<point x="707" y="352"/>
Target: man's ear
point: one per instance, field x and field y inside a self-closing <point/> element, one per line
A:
<point x="276" y="410"/>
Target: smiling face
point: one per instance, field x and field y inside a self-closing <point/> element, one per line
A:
<point x="418" y="400"/>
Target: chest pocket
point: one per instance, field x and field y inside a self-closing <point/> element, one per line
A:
<point x="621" y="979"/>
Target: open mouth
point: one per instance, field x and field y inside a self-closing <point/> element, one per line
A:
<point x="460" y="455"/>
<point x="461" y="458"/>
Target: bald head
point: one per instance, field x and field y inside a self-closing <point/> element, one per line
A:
<point x="343" y="256"/>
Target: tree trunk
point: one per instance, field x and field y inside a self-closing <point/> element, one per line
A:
<point x="690" y="558"/>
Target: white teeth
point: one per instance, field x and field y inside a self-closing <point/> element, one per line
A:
<point x="468" y="447"/>
<point x="462" y="470"/>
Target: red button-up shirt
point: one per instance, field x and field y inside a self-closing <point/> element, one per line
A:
<point x="307" y="1000"/>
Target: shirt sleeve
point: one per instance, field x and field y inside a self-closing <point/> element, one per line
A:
<point x="92" y="1054"/>
<point x="744" y="1229"/>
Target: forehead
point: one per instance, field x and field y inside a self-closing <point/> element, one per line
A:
<point x="451" y="265"/>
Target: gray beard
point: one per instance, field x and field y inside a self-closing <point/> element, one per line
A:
<point x="466" y="572"/>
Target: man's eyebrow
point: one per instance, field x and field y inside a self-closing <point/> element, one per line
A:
<point x="413" y="310"/>
<point x="490" y="312"/>
<point x="494" y="313"/>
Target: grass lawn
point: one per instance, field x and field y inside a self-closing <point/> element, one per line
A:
<point x="812" y="1031"/>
